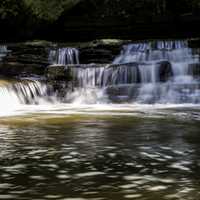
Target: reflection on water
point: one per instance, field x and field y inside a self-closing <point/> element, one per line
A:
<point x="79" y="157"/>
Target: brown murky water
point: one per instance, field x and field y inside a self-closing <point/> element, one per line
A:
<point x="77" y="157"/>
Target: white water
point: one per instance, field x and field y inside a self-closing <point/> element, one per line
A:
<point x="32" y="98"/>
<point x="64" y="56"/>
<point x="136" y="89"/>
<point x="176" y="52"/>
<point x="13" y="96"/>
<point x="181" y="88"/>
<point x="104" y="76"/>
<point x="136" y="76"/>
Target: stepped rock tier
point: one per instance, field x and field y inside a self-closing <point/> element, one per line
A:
<point x="144" y="72"/>
<point x="149" y="72"/>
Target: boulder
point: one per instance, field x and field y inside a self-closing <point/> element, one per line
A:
<point x="165" y="71"/>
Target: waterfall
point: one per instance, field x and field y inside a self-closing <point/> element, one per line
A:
<point x="105" y="75"/>
<point x="91" y="80"/>
<point x="14" y="94"/>
<point x="64" y="56"/>
<point x="154" y="51"/>
<point x="138" y="62"/>
<point x="149" y="72"/>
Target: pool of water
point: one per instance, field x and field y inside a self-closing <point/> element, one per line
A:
<point x="100" y="152"/>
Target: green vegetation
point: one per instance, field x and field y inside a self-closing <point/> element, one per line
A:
<point x="49" y="9"/>
<point x="10" y="8"/>
<point x="42" y="9"/>
<point x="32" y="17"/>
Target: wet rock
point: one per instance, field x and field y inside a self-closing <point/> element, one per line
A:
<point x="194" y="43"/>
<point x="165" y="71"/>
<point x="62" y="72"/>
<point x="194" y="69"/>
<point x="28" y="54"/>
<point x="59" y="73"/>
<point x="126" y="73"/>
<point x="122" y="93"/>
<point x="59" y="78"/>
<point x="96" y="55"/>
<point x="25" y="59"/>
<point x="39" y="43"/>
<point x="11" y="69"/>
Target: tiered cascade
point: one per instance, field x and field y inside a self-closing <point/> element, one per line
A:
<point x="151" y="72"/>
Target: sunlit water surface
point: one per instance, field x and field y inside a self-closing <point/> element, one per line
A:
<point x="78" y="152"/>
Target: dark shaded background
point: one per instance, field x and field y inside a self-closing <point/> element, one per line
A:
<point x="83" y="20"/>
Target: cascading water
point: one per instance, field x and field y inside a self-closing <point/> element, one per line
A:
<point x="64" y="56"/>
<point x="151" y="72"/>
<point x="105" y="75"/>
<point x="179" y="85"/>
<point x="14" y="94"/>
<point x="90" y="81"/>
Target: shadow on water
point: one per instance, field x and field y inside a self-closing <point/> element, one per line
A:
<point x="96" y="157"/>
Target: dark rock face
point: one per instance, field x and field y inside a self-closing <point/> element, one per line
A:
<point x="11" y="69"/>
<point x="28" y="54"/>
<point x="101" y="51"/>
<point x="194" y="69"/>
<point x="165" y="71"/>
<point x="58" y="73"/>
<point x="25" y="60"/>
<point x="96" y="55"/>
<point x="124" y="93"/>
<point x="59" y="77"/>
